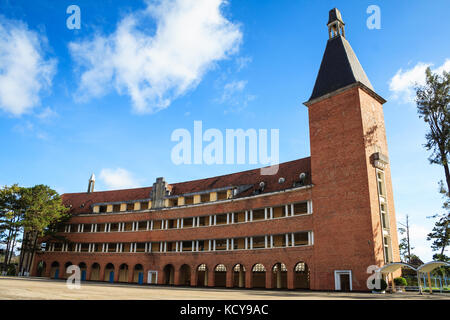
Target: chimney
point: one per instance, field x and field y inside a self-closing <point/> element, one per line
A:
<point x="91" y="183"/>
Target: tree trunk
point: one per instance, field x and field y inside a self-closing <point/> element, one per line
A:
<point x="23" y="250"/>
<point x="447" y="176"/>
<point x="8" y="244"/>
<point x="33" y="250"/>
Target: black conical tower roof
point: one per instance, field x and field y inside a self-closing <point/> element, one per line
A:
<point x="339" y="68"/>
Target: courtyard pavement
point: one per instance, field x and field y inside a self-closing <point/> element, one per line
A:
<point x="16" y="288"/>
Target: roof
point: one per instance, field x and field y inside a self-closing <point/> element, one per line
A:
<point x="81" y="202"/>
<point x="339" y="68"/>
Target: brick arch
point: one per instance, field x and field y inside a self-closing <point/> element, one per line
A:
<point x="202" y="276"/>
<point x="168" y="273"/>
<point x="258" y="274"/>
<point x="238" y="276"/>
<point x="94" y="274"/>
<point x="184" y="277"/>
<point x="106" y="270"/>
<point x="278" y="275"/>
<point x="301" y="278"/>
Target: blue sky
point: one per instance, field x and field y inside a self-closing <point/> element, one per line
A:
<point x="250" y="64"/>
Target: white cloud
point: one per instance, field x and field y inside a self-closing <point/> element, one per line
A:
<point x="118" y="179"/>
<point x="243" y="62"/>
<point x="191" y="36"/>
<point x="402" y="83"/>
<point x="24" y="69"/>
<point x="235" y="97"/>
<point x="232" y="88"/>
<point x="47" y="113"/>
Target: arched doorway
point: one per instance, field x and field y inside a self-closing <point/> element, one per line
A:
<point x="301" y="276"/>
<point x="185" y="275"/>
<point x="109" y="273"/>
<point x="83" y="270"/>
<point x="54" y="271"/>
<point x="138" y="274"/>
<point x="95" y="272"/>
<point x="41" y="268"/>
<point x="169" y="274"/>
<point x="220" y="275"/>
<point x="66" y="275"/>
<point x="258" y="276"/>
<point x="123" y="273"/>
<point x="202" y="275"/>
<point x="279" y="276"/>
<point x="239" y="276"/>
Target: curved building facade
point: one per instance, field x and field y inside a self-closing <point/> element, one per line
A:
<point x="318" y="223"/>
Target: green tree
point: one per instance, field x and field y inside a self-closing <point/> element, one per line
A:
<point x="43" y="210"/>
<point x="11" y="216"/>
<point x="440" y="234"/>
<point x="432" y="101"/>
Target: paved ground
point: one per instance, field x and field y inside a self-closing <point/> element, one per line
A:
<point x="38" y="288"/>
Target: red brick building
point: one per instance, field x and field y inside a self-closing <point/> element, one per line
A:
<point x="319" y="223"/>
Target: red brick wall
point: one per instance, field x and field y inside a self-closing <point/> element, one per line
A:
<point x="346" y="214"/>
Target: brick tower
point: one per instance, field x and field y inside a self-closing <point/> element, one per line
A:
<point x="354" y="218"/>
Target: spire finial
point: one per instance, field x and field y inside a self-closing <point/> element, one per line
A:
<point x="335" y="24"/>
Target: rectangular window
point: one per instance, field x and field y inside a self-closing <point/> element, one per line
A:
<point x="114" y="227"/>
<point x="222" y="195"/>
<point x="381" y="184"/>
<point x="144" y="205"/>
<point x="102" y="209"/>
<point x="204" y="197"/>
<point x="258" y="214"/>
<point x="202" y="221"/>
<point x="239" y="243"/>
<point x="221" y="219"/>
<point x="239" y="216"/>
<point x="128" y="226"/>
<point x="172" y="224"/>
<point x="111" y="247"/>
<point x="188" y="200"/>
<point x="130" y="206"/>
<point x="71" y="247"/>
<point x="116" y="208"/>
<point x="187" y="245"/>
<point x="98" y="247"/>
<point x="157" y="224"/>
<point x="84" y="247"/>
<point x="141" y="225"/>
<point x="301" y="238"/>
<point x="187" y="222"/>
<point x="203" y="245"/>
<point x="171" y="246"/>
<point x="58" y="246"/>
<point x="300" y="208"/>
<point x="140" y="247"/>
<point x="221" y="244"/>
<point x="126" y="247"/>
<point x="259" y="242"/>
<point x="155" y="246"/>
<point x="279" y="212"/>
<point x="87" y="228"/>
<point x="279" y="241"/>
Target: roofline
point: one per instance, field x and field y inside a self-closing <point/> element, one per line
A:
<point x="305" y="187"/>
<point x="372" y="93"/>
<point x="178" y="183"/>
